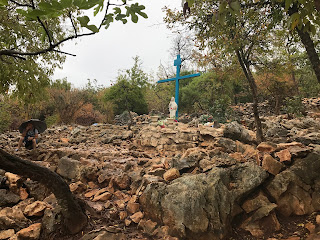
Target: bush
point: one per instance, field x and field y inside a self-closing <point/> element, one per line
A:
<point x="294" y="107"/>
<point x="87" y="116"/>
<point x="221" y="110"/>
<point x="52" y="120"/>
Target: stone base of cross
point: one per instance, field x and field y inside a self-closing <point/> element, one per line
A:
<point x="177" y="63"/>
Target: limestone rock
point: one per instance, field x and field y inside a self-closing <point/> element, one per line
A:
<point x="137" y="217"/>
<point x="266" y="147"/>
<point x="236" y="131"/>
<point x="255" y="203"/>
<point x="171" y="174"/>
<point x="133" y="207"/>
<point x="77" y="187"/>
<point x="12" y="218"/>
<point x="189" y="159"/>
<point x="262" y="223"/>
<point x="36" y="190"/>
<point x="291" y="188"/>
<point x="271" y="165"/>
<point x="102" y="195"/>
<point x="35" y="209"/>
<point x="50" y="220"/>
<point x="284" y="155"/>
<point x="15" y="182"/>
<point x="202" y="203"/>
<point x="282" y="146"/>
<point x="68" y="168"/>
<point x="30" y="233"/>
<point x="6" y="234"/>
<point x="147" y="225"/>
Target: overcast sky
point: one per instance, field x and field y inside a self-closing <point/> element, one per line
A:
<point x="101" y="56"/>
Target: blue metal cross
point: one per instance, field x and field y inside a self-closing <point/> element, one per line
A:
<point x="177" y="63"/>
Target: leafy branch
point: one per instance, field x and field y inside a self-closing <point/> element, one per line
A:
<point x="74" y="10"/>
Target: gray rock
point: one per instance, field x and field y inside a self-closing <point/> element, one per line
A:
<point x="227" y="143"/>
<point x="201" y="206"/>
<point x="235" y="131"/>
<point x="68" y="168"/>
<point x="8" y="198"/>
<point x="36" y="190"/>
<point x="275" y="129"/>
<point x="192" y="160"/>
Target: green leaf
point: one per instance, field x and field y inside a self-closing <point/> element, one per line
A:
<point x="97" y="9"/>
<point x="66" y="3"/>
<point x="4" y="2"/>
<point x="124" y="21"/>
<point x="120" y="17"/>
<point x="22" y="12"/>
<point x="142" y="14"/>
<point x="36" y="13"/>
<point x="287" y="4"/>
<point x="45" y="5"/>
<point x="84" y="21"/>
<point x="222" y="6"/>
<point x="235" y="6"/>
<point x="294" y="19"/>
<point x="134" y="18"/>
<point x="108" y="20"/>
<point x="93" y="28"/>
<point x="117" y="10"/>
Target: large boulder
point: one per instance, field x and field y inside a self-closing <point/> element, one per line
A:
<point x="201" y="206"/>
<point x="297" y="189"/>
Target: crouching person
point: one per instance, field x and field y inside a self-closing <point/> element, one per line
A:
<point x="29" y="137"/>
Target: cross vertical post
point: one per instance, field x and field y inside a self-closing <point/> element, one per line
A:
<point x="177" y="63"/>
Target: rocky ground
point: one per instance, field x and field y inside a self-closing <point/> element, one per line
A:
<point x="180" y="181"/>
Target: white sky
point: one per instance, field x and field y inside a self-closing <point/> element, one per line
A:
<point x="101" y="56"/>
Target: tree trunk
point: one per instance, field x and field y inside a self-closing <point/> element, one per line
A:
<point x="311" y="51"/>
<point x="75" y="219"/>
<point x="253" y="88"/>
<point x="309" y="45"/>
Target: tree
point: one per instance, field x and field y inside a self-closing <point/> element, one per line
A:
<point x="243" y="36"/>
<point x="299" y="15"/>
<point x="128" y="94"/>
<point x="33" y="32"/>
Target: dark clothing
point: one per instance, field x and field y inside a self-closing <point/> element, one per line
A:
<point x="30" y="133"/>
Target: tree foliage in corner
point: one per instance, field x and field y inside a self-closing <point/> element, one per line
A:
<point x="35" y="31"/>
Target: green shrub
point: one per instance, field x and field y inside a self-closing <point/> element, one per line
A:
<point x="52" y="120"/>
<point x="294" y="107"/>
<point x="221" y="110"/>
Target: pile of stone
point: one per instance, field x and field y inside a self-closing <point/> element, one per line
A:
<point x="245" y="110"/>
<point x="312" y="104"/>
<point x="168" y="183"/>
<point x="124" y="118"/>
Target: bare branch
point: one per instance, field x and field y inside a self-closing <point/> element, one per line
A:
<point x="74" y="27"/>
<point x="73" y="55"/>
<point x="20" y="4"/>
<point x="14" y="53"/>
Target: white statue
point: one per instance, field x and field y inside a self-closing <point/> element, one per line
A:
<point x="173" y="108"/>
